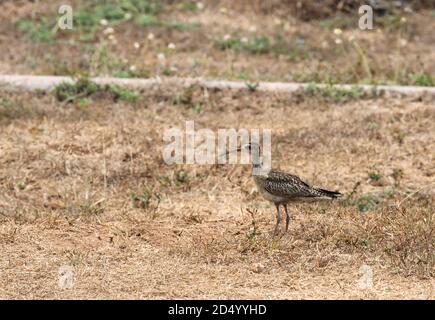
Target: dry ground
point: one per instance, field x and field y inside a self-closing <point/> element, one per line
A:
<point x="87" y="187"/>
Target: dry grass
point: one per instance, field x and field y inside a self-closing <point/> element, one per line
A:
<point x="87" y="186"/>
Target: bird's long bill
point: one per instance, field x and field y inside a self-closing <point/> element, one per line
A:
<point x="235" y="150"/>
<point x="223" y="156"/>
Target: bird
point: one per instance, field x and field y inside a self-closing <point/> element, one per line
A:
<point x="281" y="188"/>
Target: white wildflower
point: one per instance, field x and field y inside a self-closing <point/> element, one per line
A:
<point x="338" y="31"/>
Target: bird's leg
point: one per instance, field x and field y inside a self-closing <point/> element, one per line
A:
<point x="287" y="218"/>
<point x="278" y="219"/>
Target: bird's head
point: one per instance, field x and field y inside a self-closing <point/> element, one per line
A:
<point x="251" y="146"/>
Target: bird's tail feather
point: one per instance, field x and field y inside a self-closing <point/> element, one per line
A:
<point x="329" y="194"/>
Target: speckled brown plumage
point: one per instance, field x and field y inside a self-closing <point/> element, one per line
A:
<point x="281" y="188"/>
<point x="287" y="187"/>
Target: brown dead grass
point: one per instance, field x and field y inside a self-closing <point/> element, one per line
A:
<point x="67" y="175"/>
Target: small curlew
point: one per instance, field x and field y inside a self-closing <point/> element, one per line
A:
<point x="282" y="188"/>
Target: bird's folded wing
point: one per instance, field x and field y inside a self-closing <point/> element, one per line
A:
<point x="284" y="184"/>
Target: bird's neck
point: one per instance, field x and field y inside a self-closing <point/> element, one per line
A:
<point x="257" y="164"/>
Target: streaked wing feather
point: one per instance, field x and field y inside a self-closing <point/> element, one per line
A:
<point x="284" y="184"/>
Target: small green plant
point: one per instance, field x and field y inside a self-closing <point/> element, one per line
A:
<point x="252" y="86"/>
<point x="184" y="97"/>
<point x="367" y="203"/>
<point x="197" y="108"/>
<point x="259" y="45"/>
<point x="88" y="17"/>
<point x="233" y="44"/>
<point x="142" y="201"/>
<point x="121" y="93"/>
<point x="372" y="126"/>
<point x="422" y="79"/>
<point x="336" y="94"/>
<point x="188" y="6"/>
<point x="84" y="102"/>
<point x="341" y="22"/>
<point x="8" y="110"/>
<point x="391" y="22"/>
<point x="181" y="178"/>
<point x="38" y="31"/>
<point x="85" y="89"/>
<point x="146" y="20"/>
<point x="180" y="26"/>
<point x="22" y="185"/>
<point x="374" y="176"/>
<point x="70" y="92"/>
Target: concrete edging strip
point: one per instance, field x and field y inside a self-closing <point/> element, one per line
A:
<point x="47" y="83"/>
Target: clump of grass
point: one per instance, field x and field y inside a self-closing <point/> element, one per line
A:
<point x="140" y="73"/>
<point x="38" y="31"/>
<point x="88" y="17"/>
<point x="259" y="45"/>
<point x="185" y="97"/>
<point x="368" y="202"/>
<point x="391" y="22"/>
<point x="181" y="26"/>
<point x="188" y="6"/>
<point x="146" y="20"/>
<point x="71" y="92"/>
<point x="141" y="200"/>
<point x="341" y="22"/>
<point x="374" y="176"/>
<point x="89" y="207"/>
<point x="252" y="86"/>
<point x="197" y="108"/>
<point x="8" y="110"/>
<point x="121" y="93"/>
<point x="86" y="89"/>
<point x="422" y="79"/>
<point x="232" y="44"/>
<point x="181" y="177"/>
<point x="336" y="94"/>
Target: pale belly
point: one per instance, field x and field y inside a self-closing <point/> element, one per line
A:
<point x="273" y="198"/>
